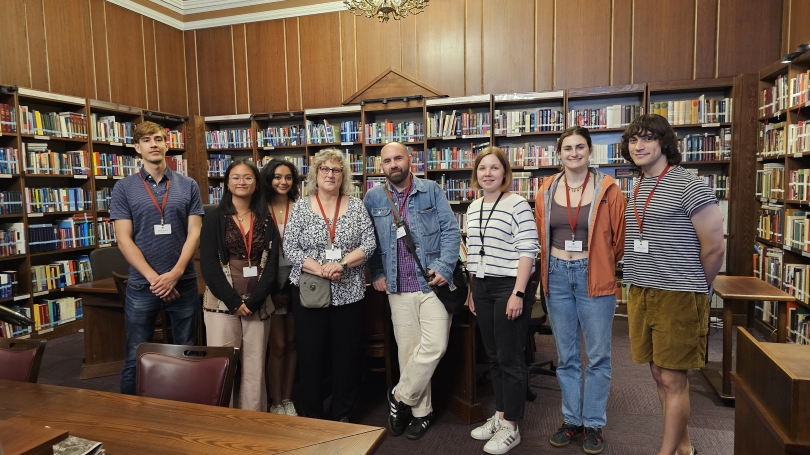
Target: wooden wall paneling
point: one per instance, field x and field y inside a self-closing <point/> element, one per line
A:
<point x="705" y="39"/>
<point x="410" y="49"/>
<point x="37" y="46"/>
<point x="192" y="75"/>
<point x="544" y="49"/>
<point x="215" y="72"/>
<point x="582" y="44"/>
<point x="473" y="49"/>
<point x="320" y="60"/>
<point x="150" y="66"/>
<point x="125" y="45"/>
<point x="622" y="36"/>
<point x="266" y="73"/>
<point x="379" y="47"/>
<point x="294" y="96"/>
<point x="507" y="39"/>
<point x="348" y="56"/>
<point x="440" y="44"/>
<point x="663" y="40"/>
<point x="241" y="69"/>
<point x="101" y="73"/>
<point x="786" y="4"/>
<point x="67" y="26"/>
<point x="14" y="58"/>
<point x="799" y="24"/>
<point x="171" y="70"/>
<point x="749" y="35"/>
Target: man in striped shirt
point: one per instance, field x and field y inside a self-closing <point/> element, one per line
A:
<point x="673" y="251"/>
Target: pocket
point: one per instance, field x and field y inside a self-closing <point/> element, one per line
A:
<point x="552" y="265"/>
<point x="430" y="221"/>
<point x="136" y="287"/>
<point x="382" y="223"/>
<point x="702" y="312"/>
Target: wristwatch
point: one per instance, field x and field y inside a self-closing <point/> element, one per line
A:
<point x="344" y="263"/>
<point x="518" y="293"/>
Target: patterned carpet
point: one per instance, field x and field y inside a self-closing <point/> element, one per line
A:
<point x="634" y="424"/>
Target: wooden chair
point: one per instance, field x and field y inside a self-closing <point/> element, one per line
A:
<point x="375" y="346"/>
<point x="20" y="359"/>
<point x="162" y="332"/>
<point x="106" y="262"/>
<point x="193" y="374"/>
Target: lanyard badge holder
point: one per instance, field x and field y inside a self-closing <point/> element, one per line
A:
<point x="332" y="254"/>
<point x="574" y="244"/>
<point x="482" y="260"/>
<point x="640" y="245"/>
<point x="251" y="270"/>
<point x="162" y="228"/>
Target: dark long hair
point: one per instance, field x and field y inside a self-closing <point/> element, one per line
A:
<point x="269" y="171"/>
<point x="257" y="202"/>
<point x="660" y="129"/>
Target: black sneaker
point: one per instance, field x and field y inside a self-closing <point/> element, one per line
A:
<point x="399" y="415"/>
<point x="419" y="426"/>
<point x="565" y="434"/>
<point x="593" y="442"/>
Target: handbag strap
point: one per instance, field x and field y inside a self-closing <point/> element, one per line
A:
<point x="407" y="239"/>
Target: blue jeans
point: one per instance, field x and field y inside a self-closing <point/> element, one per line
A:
<point x="570" y="309"/>
<point x="140" y="314"/>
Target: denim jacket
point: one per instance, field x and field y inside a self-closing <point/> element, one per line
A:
<point x="433" y="225"/>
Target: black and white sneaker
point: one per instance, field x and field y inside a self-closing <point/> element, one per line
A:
<point x="399" y="415"/>
<point x="419" y="426"/>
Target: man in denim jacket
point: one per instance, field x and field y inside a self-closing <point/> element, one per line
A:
<point x="421" y="323"/>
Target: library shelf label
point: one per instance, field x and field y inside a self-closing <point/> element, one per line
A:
<point x="474" y="136"/>
<point x="129" y="145"/>
<point x="117" y="177"/>
<point x="594" y="165"/>
<point x="1" y="134"/>
<point x="786" y="248"/>
<point x="37" y="294"/>
<point x="710" y="125"/>
<point x="104" y="245"/>
<point x="454" y="202"/>
<point x="42" y="138"/>
<point x="513" y="134"/>
<point x="117" y="144"/>
<point x="23" y="337"/>
<point x="45" y="330"/>
<point x="32" y="215"/>
<point x="100" y="177"/>
<point x="269" y="147"/>
<point x="447" y="138"/>
<point x="759" y="158"/>
<point x="80" y="176"/>
<point x="773" y="201"/>
<point x="530" y="168"/>
<point x="5" y="176"/>
<point x="806" y="254"/>
<point x="797" y="155"/>
<point x="21" y="297"/>
<point x="347" y="143"/>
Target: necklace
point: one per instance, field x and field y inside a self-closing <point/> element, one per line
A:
<point x="576" y="189"/>
<point x="241" y="218"/>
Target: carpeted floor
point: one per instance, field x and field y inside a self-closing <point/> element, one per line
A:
<point x="634" y="424"/>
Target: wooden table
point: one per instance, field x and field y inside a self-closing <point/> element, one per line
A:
<point x="127" y="424"/>
<point x="744" y="288"/>
<point x="104" y="331"/>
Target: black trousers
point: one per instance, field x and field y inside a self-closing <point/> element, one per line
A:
<point x="324" y="335"/>
<point x="504" y="341"/>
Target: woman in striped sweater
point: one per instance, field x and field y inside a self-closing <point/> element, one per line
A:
<point x="502" y="245"/>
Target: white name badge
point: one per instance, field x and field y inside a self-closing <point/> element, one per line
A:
<point x="249" y="272"/>
<point x="333" y="254"/>
<point x="163" y="229"/>
<point x="641" y="246"/>
<point x="400" y="232"/>
<point x="482" y="266"/>
<point x="573" y="245"/>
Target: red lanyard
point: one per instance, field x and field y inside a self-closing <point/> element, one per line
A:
<point x="573" y="221"/>
<point x="162" y="208"/>
<point x="248" y="243"/>
<point x="404" y="201"/>
<point x="333" y="227"/>
<point x="286" y="216"/>
<point x="640" y="219"/>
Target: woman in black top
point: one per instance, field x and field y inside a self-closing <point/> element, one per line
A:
<point x="239" y="258"/>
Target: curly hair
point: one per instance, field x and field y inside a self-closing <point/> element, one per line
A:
<point x="268" y="173"/>
<point x="660" y="129"/>
<point x="330" y="154"/>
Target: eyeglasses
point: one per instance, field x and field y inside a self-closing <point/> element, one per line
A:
<point x="237" y="179"/>
<point x="334" y="170"/>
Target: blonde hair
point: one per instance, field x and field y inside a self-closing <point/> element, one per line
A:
<point x="330" y="154"/>
<point x="507" y="169"/>
<point x="147" y="129"/>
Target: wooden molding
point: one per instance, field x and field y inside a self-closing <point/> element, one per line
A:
<point x="390" y="82"/>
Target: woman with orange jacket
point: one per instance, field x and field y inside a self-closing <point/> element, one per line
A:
<point x="580" y="220"/>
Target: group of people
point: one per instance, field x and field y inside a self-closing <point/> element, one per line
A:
<point x="262" y="242"/>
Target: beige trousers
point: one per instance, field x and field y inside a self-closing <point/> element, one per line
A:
<point x="422" y="329"/>
<point x="250" y="335"/>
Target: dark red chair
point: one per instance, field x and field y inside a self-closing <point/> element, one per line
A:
<point x="20" y="359"/>
<point x="194" y="374"/>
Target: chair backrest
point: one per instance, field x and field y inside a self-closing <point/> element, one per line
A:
<point x="121" y="285"/>
<point x="20" y="359"/>
<point x="375" y="315"/>
<point x="208" y="207"/>
<point x="193" y="374"/>
<point x="105" y="261"/>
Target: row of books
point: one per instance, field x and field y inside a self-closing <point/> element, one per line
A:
<point x="525" y="185"/>
<point x="771" y="181"/>
<point x="798" y="138"/>
<point x="388" y="131"/>
<point x="218" y="163"/>
<point x="606" y="154"/>
<point x="374" y="163"/>
<point x="215" y="193"/>
<point x="298" y="161"/>
<point x="770" y="218"/>
<point x="103" y="198"/>
<point x="280" y="136"/>
<point x="717" y="182"/>
<point x="113" y="164"/>
<point x="175" y="139"/>
<point x="9" y="161"/>
<point x="798" y="320"/>
<point x="61" y="124"/>
<point x="772" y="139"/>
<point x="615" y="116"/>
<point x="107" y="129"/>
<point x="622" y="291"/>
<point x="47" y="200"/>
<point x="371" y="182"/>
<point x="228" y="139"/>
<point x="38" y="159"/>
<point x="706" y="146"/>
<point x="785" y="93"/>
<point x="531" y="121"/>
<point x="8" y="123"/>
<point x="461" y="217"/>
<point x="105" y="230"/>
<point x="74" y="232"/>
<point x="13" y="331"/>
<point x="627" y="179"/>
<point x="8" y="284"/>
<point x="459" y="190"/>
<point x="53" y="312"/>
<point x="696" y="111"/>
<point x="323" y="132"/>
<point x="12" y="239"/>
<point x="799" y="88"/>
<point x="11" y="202"/>
<point x="455" y="123"/>
<point x="59" y="274"/>
<point x="767" y="267"/>
<point x="531" y="155"/>
<point x="797" y="228"/>
<point x="453" y="157"/>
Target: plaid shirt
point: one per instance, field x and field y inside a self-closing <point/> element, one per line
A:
<point x="406" y="266"/>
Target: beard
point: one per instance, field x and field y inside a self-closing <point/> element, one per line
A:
<point x="399" y="177"/>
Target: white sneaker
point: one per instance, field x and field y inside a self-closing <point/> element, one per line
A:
<point x="488" y="429"/>
<point x="277" y="409"/>
<point x="289" y="409"/>
<point x="504" y="440"/>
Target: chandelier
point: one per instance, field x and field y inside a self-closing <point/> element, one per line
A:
<point x="382" y="8"/>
